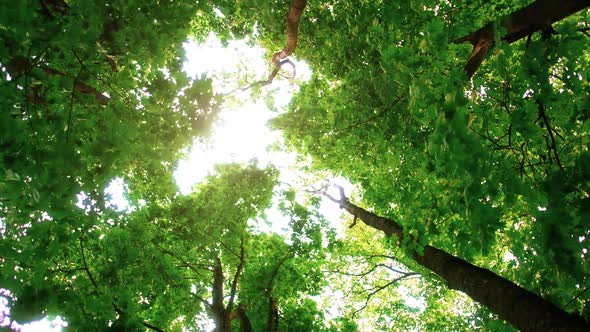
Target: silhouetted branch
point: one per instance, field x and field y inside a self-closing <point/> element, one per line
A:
<point x="377" y="289"/>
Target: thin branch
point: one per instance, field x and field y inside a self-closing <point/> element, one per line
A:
<point x="275" y="272"/>
<point x="108" y="84"/>
<point x="117" y="309"/>
<point x="553" y="146"/>
<point x="367" y="272"/>
<point x="185" y="263"/>
<point x="354" y="221"/>
<point x="228" y="248"/>
<point x="377" y="289"/>
<point x="374" y="117"/>
<point x="152" y="327"/>
<point x="86" y="265"/>
<point x="323" y="191"/>
<point x="576" y="297"/>
<point x="202" y="300"/>
<point x="268" y="80"/>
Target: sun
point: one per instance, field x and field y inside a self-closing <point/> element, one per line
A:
<point x="241" y="132"/>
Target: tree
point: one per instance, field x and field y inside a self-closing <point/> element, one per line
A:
<point x="476" y="169"/>
<point x="172" y="260"/>
<point x="490" y="171"/>
<point x="90" y="91"/>
<point x="539" y="15"/>
<point x="523" y="309"/>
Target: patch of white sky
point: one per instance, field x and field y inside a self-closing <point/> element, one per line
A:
<point x="43" y="325"/>
<point x="242" y="133"/>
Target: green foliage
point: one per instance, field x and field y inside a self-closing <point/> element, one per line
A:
<point x="494" y="170"/>
<point x="486" y="169"/>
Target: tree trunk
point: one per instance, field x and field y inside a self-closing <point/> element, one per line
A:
<point x="519" y="307"/>
<point x="220" y="317"/>
<point x="272" y="321"/>
<point x="245" y="324"/>
<point x="539" y="15"/>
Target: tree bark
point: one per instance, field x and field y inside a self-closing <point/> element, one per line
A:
<point x="223" y="314"/>
<point x="245" y="324"/>
<point x="518" y="306"/>
<point x="292" y="32"/>
<point x="220" y="316"/>
<point x="292" y="27"/>
<point x="272" y="320"/>
<point x="539" y="15"/>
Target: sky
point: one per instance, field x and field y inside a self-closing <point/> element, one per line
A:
<point x="241" y="133"/>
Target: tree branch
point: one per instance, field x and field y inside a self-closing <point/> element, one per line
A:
<point x="539" y="15"/>
<point x="292" y="27"/>
<point x="523" y="309"/>
<point x="377" y="289"/>
<point x="86" y="265"/>
<point x="186" y="264"/>
<point x="234" y="284"/>
<point x="292" y="32"/>
<point x="275" y="272"/>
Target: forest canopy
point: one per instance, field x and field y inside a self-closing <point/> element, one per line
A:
<point x="461" y="127"/>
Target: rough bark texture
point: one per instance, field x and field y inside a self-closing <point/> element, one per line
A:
<point x="538" y="16"/>
<point x="519" y="307"/>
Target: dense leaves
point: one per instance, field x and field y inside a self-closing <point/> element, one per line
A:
<point x="494" y="169"/>
<point x="489" y="169"/>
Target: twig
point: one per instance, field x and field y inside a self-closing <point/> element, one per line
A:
<point x="372" y="118"/>
<point x="186" y="264"/>
<point x="268" y="81"/>
<point x="553" y="146"/>
<point x="86" y="265"/>
<point x="369" y="271"/>
<point x="575" y="297"/>
<point x="230" y="249"/>
<point x="377" y="289"/>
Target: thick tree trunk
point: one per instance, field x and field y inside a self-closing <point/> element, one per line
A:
<point x="245" y="324"/>
<point x="519" y="307"/>
<point x="539" y="15"/>
<point x="220" y="315"/>
<point x="272" y="321"/>
<point x="224" y="314"/>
